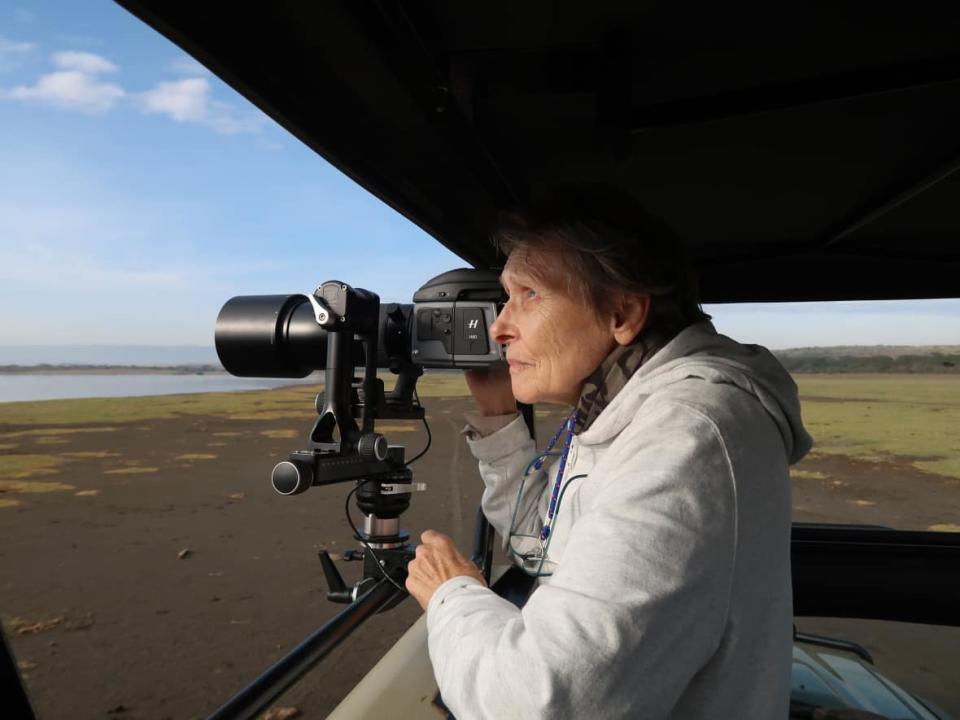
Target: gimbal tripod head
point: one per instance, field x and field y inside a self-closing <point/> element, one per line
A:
<point x="341" y="449"/>
<point x="285" y="336"/>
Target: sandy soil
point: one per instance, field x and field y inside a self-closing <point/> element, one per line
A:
<point x="137" y="627"/>
<point x="108" y="621"/>
<point x="834" y="488"/>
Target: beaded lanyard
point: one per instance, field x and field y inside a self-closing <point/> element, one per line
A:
<point x="568" y="425"/>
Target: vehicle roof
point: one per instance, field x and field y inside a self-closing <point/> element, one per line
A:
<point x="804" y="152"/>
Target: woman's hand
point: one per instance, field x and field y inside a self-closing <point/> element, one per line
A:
<point x="492" y="390"/>
<point x="436" y="561"/>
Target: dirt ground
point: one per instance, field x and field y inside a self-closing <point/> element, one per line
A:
<point x="110" y="618"/>
<point x="834" y="488"/>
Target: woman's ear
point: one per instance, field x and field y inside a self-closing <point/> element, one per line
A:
<point x="630" y="317"/>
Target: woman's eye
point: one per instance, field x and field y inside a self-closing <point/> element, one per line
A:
<point x="521" y="294"/>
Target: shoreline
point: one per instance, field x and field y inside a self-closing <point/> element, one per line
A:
<point x="96" y="388"/>
<point x="28" y="388"/>
<point x="111" y="370"/>
<point x="149" y="370"/>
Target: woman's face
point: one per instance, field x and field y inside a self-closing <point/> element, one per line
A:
<point x="553" y="340"/>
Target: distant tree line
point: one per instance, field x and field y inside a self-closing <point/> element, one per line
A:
<point x="931" y="363"/>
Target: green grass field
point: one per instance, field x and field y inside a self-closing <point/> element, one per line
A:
<point x="48" y="422"/>
<point x="914" y="418"/>
<point x="291" y="402"/>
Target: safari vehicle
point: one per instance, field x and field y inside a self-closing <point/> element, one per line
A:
<point x="805" y="153"/>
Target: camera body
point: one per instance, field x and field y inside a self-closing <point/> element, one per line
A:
<point x="452" y="315"/>
<point x="447" y="326"/>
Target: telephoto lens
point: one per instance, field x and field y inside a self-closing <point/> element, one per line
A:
<point x="279" y="336"/>
<point x="285" y="336"/>
<point x="270" y="336"/>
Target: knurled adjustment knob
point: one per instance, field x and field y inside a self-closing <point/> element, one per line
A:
<point x="372" y="446"/>
<point x="291" y="477"/>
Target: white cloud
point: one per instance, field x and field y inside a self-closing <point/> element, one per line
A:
<point x="13" y="47"/>
<point x="74" y="85"/>
<point x="70" y="89"/>
<point x="77" y="84"/>
<point x="183" y="100"/>
<point x="13" y="53"/>
<point x="189" y="100"/>
<point x="187" y="66"/>
<point x="84" y="62"/>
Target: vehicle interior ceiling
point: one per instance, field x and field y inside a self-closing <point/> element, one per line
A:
<point x="804" y="154"/>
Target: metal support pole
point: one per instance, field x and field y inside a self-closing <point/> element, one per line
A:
<point x="16" y="703"/>
<point x="256" y="697"/>
<point x="483" y="545"/>
<point x="891" y="201"/>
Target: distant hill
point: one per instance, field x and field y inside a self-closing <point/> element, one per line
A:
<point x="869" y="350"/>
<point x="872" y="359"/>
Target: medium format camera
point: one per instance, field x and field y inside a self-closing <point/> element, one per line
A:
<point x="447" y="326"/>
<point x="342" y="329"/>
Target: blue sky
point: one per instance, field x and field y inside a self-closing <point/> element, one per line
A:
<point x="138" y="193"/>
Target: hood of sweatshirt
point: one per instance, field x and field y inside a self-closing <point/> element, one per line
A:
<point x="700" y="352"/>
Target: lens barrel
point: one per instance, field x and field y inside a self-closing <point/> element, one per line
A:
<point x="278" y="336"/>
<point x="270" y="336"/>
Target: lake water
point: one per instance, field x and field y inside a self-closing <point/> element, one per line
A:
<point x="14" y="388"/>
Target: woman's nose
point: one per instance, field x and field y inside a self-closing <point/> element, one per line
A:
<point x="502" y="331"/>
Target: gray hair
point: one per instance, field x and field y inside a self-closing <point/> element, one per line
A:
<point x="609" y="247"/>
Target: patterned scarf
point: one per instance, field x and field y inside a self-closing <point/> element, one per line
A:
<point x="612" y="375"/>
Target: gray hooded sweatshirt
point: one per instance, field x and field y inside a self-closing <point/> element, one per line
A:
<point x="670" y="595"/>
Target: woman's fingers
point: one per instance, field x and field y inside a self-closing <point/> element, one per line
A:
<point x="432" y="537"/>
<point x="492" y="390"/>
<point x="435" y="561"/>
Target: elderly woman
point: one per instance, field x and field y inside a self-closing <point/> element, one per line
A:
<point x="658" y="519"/>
